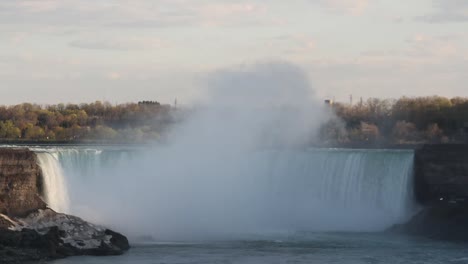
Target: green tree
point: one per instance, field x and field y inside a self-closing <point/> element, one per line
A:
<point x="9" y="130"/>
<point x="34" y="132"/>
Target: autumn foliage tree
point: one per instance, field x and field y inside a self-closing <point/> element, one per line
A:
<point x="431" y="119"/>
<point x="94" y="121"/>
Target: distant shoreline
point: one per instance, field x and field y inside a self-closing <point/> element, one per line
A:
<point x="143" y="144"/>
<point x="70" y="143"/>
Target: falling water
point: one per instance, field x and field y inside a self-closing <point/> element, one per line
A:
<point x="265" y="191"/>
<point x="337" y="189"/>
<point x="55" y="187"/>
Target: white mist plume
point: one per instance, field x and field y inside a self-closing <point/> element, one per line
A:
<point x="222" y="176"/>
<point x="203" y="182"/>
<point x="268" y="104"/>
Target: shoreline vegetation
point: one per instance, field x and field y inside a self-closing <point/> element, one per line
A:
<point x="392" y="123"/>
<point x="405" y="121"/>
<point x="98" y="122"/>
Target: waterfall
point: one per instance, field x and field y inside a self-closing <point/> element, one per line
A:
<point x="68" y="173"/>
<point x="346" y="187"/>
<point x="55" y="187"/>
<point x="177" y="195"/>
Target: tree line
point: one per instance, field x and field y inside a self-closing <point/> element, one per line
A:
<point x="78" y="122"/>
<point x="406" y="120"/>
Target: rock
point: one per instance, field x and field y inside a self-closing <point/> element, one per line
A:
<point x="20" y="182"/>
<point x="441" y="221"/>
<point x="75" y="234"/>
<point x="441" y="172"/>
<point x="118" y="239"/>
<point x="6" y="222"/>
<point x="22" y="246"/>
<point x="29" y="231"/>
<point x="441" y="186"/>
<point x="45" y="234"/>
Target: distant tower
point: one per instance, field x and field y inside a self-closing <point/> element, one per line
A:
<point x="175" y="103"/>
<point x="351" y="99"/>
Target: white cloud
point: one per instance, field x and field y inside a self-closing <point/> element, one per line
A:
<point x="131" y="41"/>
<point x="295" y="46"/>
<point x="113" y="76"/>
<point x="144" y="13"/>
<point x="39" y="6"/>
<point x="435" y="48"/>
<point x="447" y="11"/>
<point x="353" y="7"/>
<point x="222" y="14"/>
<point x="118" y="44"/>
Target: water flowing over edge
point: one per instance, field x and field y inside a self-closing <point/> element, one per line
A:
<point x="55" y="186"/>
<point x="313" y="189"/>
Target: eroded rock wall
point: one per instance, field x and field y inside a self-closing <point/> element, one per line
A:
<point x="20" y="182"/>
<point x="441" y="173"/>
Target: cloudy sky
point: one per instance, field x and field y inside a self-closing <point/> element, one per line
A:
<point x="126" y="50"/>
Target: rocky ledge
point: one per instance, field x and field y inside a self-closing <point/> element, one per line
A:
<point x="45" y="234"/>
<point x="441" y="187"/>
<point x="445" y="220"/>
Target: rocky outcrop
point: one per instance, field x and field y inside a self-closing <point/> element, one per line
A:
<point x="20" y="182"/>
<point x="79" y="236"/>
<point x="46" y="234"/>
<point x="441" y="173"/>
<point x="441" y="187"/>
<point x="441" y="221"/>
<point x="30" y="231"/>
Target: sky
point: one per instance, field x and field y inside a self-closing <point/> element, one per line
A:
<point x="54" y="51"/>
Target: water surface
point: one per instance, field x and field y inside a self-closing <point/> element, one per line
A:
<point x="339" y="248"/>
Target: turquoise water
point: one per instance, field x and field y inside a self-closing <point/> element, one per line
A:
<point x="339" y="248"/>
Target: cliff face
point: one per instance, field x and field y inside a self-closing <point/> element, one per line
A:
<point x="441" y="173"/>
<point x="441" y="221"/>
<point x="20" y="182"/>
<point x="441" y="186"/>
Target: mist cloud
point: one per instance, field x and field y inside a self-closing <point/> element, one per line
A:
<point x="209" y="181"/>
